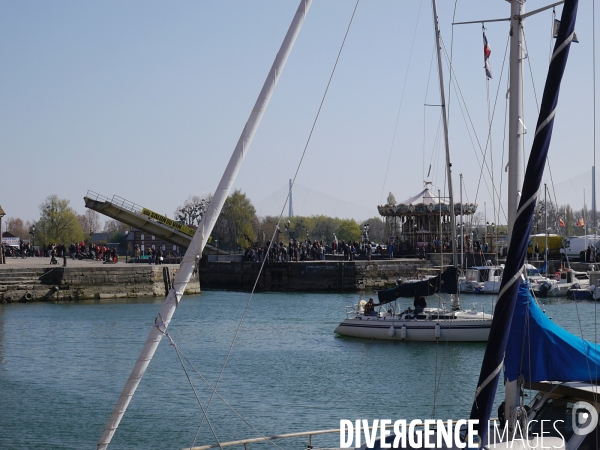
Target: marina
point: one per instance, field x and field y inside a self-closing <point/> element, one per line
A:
<point x="62" y="365"/>
<point x="266" y="349"/>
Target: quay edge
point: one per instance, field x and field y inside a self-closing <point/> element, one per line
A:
<point x="100" y="281"/>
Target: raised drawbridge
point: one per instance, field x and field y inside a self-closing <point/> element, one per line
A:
<point x="144" y="219"/>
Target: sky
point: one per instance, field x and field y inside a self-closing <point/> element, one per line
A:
<point x="146" y="100"/>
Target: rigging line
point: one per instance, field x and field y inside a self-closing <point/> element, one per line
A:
<point x="180" y="352"/>
<point x="451" y="56"/>
<point x="457" y="86"/>
<point x="166" y="333"/>
<point x="401" y="100"/>
<point x="436" y="142"/>
<point x="237" y="331"/>
<point x="490" y="121"/>
<point x="425" y="108"/>
<point x="594" y="127"/>
<point x="586" y="353"/>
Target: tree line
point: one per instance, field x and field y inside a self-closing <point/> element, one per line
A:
<point x="59" y="223"/>
<point x="239" y="226"/>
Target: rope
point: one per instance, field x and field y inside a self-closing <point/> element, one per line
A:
<point x="401" y="100"/>
<point x="180" y="354"/>
<point x="459" y="90"/>
<point x="166" y="333"/>
<point x="237" y="331"/>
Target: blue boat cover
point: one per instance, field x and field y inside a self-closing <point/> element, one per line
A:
<point x="542" y="351"/>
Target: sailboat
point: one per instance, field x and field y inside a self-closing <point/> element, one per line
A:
<point x="534" y="352"/>
<point x="450" y="324"/>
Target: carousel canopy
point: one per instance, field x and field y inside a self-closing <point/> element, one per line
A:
<point x="425" y="196"/>
<point x="425" y="203"/>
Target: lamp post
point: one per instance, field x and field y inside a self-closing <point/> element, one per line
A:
<point x="365" y="236"/>
<point x="2" y="214"/>
<point x="33" y="238"/>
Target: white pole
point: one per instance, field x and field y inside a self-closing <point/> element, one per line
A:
<point x="204" y="228"/>
<point x="291" y="209"/>
<point x="515" y="155"/>
<point x="515" y="127"/>
<point x="438" y="46"/>
<point x="546" y="223"/>
<point x="462" y="232"/>
<point x="485" y="220"/>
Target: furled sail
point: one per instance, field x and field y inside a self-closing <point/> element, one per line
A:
<point x="493" y="359"/>
<point x="540" y="350"/>
<point x="446" y="282"/>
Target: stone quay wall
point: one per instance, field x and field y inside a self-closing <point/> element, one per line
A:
<point x="336" y="276"/>
<point x="101" y="281"/>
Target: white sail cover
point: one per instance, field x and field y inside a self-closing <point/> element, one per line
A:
<point x="204" y="228"/>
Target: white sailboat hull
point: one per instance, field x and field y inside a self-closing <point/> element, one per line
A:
<point x="386" y="328"/>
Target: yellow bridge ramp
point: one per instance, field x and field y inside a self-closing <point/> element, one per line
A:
<point x="143" y="219"/>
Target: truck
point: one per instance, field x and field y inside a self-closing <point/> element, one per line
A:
<point x="574" y="246"/>
<point x="555" y="244"/>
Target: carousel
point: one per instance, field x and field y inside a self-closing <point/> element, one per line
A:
<point x="422" y="223"/>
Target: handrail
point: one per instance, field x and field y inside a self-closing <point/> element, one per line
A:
<point x="310" y="434"/>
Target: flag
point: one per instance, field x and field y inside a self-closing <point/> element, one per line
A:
<point x="580" y="222"/>
<point x="487" y="51"/>
<point x="556" y="28"/>
<point x="561" y="223"/>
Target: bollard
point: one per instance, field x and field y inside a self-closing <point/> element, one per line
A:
<point x="64" y="260"/>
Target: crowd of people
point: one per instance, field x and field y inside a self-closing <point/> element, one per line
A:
<point x="155" y="255"/>
<point x="307" y="251"/>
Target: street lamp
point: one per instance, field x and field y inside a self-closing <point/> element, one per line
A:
<point x="33" y="238"/>
<point x="365" y="235"/>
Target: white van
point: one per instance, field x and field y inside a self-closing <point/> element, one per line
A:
<point x="574" y="245"/>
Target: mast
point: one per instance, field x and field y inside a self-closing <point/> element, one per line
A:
<point x="546" y="222"/>
<point x="515" y="150"/>
<point x="516" y="128"/>
<point x="205" y="228"/>
<point x="462" y="231"/>
<point x="438" y="47"/>
<point x="493" y="360"/>
<point x="291" y="209"/>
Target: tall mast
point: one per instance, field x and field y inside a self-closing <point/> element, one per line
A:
<point x="438" y="46"/>
<point x="205" y="228"/>
<point x="515" y="151"/>
<point x="516" y="128"/>
<point x="546" y="223"/>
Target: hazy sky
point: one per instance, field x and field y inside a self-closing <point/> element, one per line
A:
<point x="146" y="100"/>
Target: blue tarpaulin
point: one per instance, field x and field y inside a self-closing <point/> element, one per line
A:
<point x="542" y="351"/>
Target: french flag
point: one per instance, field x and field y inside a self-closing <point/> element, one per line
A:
<point x="487" y="51"/>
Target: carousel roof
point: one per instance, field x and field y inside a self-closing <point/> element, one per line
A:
<point x="426" y="197"/>
<point x="425" y="203"/>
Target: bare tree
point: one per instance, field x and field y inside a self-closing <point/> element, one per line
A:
<point x="90" y="222"/>
<point x="192" y="210"/>
<point x="16" y="227"/>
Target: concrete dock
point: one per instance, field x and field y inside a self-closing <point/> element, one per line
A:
<point x="35" y="279"/>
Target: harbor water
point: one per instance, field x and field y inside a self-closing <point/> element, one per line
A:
<point x="63" y="365"/>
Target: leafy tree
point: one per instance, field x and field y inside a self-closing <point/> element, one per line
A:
<point x="234" y="225"/>
<point x="391" y="200"/>
<point x="376" y="230"/>
<point x="348" y="231"/>
<point x="192" y="210"/>
<point x="58" y="223"/>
